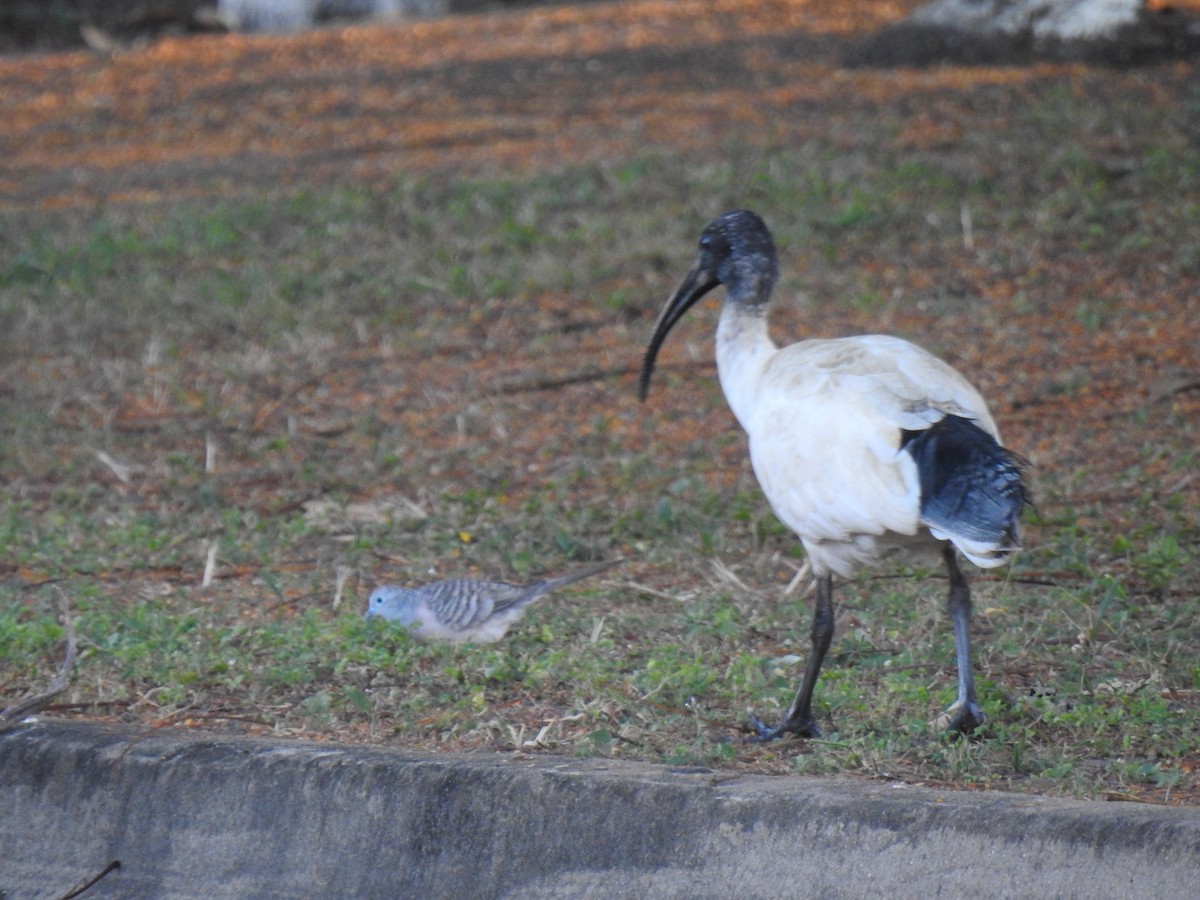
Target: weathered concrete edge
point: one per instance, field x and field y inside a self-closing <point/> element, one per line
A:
<point x="204" y="816"/>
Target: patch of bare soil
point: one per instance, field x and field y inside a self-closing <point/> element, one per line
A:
<point x="218" y="116"/>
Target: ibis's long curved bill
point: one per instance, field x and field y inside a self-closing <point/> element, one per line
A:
<point x="698" y="282"/>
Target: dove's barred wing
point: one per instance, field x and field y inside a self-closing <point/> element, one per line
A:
<point x="463" y="604"/>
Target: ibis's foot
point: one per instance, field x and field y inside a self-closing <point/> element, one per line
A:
<point x="962" y="718"/>
<point x="806" y="728"/>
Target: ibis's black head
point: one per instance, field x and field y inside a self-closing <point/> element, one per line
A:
<point x="736" y="250"/>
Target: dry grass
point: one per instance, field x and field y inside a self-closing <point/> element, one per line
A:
<point x="225" y="418"/>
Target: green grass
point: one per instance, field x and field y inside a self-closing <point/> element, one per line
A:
<point x="338" y="350"/>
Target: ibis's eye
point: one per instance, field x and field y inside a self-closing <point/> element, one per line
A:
<point x="713" y="243"/>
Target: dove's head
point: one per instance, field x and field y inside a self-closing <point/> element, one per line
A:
<point x="396" y="604"/>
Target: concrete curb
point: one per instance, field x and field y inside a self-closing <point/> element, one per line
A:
<point x="192" y="815"/>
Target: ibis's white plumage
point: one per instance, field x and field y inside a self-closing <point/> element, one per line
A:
<point x="862" y="445"/>
<point x="823" y="418"/>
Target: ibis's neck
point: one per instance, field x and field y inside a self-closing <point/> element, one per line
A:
<point x="743" y="348"/>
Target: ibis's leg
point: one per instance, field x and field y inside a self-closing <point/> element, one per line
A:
<point x="966" y="715"/>
<point x="799" y="718"/>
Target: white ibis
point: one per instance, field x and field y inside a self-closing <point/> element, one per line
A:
<point x="863" y="446"/>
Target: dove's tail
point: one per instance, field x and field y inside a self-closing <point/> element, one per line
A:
<point x="542" y="588"/>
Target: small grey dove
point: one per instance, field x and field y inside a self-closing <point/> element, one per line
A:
<point x="464" y="609"/>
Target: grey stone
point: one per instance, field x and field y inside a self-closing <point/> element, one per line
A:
<point x="1009" y="32"/>
<point x="1068" y="20"/>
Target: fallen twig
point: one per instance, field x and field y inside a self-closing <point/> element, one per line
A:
<point x="87" y="885"/>
<point x="803" y="572"/>
<point x="529" y="385"/>
<point x="58" y="684"/>
<point x="1175" y="384"/>
<point x="647" y="590"/>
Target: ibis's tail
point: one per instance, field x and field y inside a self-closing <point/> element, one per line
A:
<point x="971" y="488"/>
